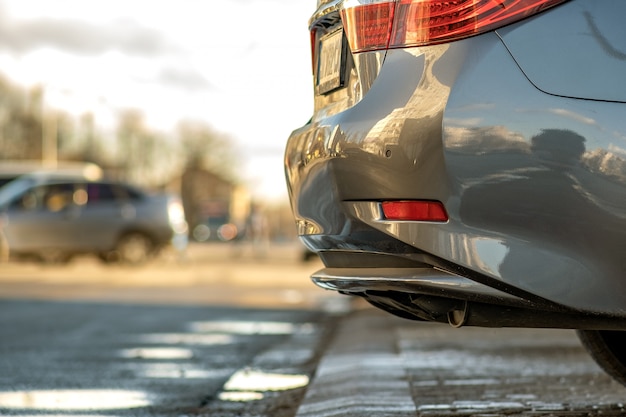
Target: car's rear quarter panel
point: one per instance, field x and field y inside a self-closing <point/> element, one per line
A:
<point x="461" y="123"/>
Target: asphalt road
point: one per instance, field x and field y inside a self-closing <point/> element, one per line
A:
<point x="227" y="333"/>
<point x="104" y="359"/>
<point x="223" y="331"/>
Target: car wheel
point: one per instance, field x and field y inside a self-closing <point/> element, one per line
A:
<point x="134" y="248"/>
<point x="608" y="349"/>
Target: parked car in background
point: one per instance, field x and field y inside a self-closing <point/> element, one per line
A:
<point x="12" y="169"/>
<point x="465" y="162"/>
<point x="53" y="217"/>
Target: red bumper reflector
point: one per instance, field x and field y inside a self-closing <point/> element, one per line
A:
<point x="415" y="210"/>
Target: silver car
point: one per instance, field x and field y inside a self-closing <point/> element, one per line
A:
<point x="466" y="162"/>
<point x="54" y="217"/>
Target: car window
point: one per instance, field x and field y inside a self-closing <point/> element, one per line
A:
<point x="134" y="194"/>
<point x="99" y="193"/>
<point x="13" y="190"/>
<point x="50" y="197"/>
<point x="127" y="193"/>
<point x="56" y="197"/>
<point x="6" y="180"/>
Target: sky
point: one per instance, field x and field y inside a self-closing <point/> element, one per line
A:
<point x="243" y="66"/>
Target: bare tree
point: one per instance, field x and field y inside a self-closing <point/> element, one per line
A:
<point x="205" y="148"/>
<point x="20" y="122"/>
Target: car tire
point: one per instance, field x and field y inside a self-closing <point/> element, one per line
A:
<point x="134" y="249"/>
<point x="608" y="349"/>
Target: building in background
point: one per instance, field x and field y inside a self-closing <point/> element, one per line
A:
<point x="216" y="208"/>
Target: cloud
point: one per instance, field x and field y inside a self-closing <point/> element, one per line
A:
<point x="81" y="38"/>
<point x="184" y="78"/>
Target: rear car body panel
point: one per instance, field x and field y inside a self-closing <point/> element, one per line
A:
<point x="578" y="51"/>
<point x="531" y="171"/>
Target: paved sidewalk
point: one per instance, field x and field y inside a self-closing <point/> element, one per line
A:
<point x="362" y="373"/>
<point x="380" y="365"/>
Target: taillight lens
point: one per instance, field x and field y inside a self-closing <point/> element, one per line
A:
<point x="313" y="34"/>
<point x="368" y="27"/>
<point x="428" y="22"/>
<point x="404" y="23"/>
<point x="415" y="210"/>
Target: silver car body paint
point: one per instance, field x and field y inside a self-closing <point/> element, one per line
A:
<point x="509" y="130"/>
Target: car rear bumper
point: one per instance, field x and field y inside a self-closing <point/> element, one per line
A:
<point x="534" y="184"/>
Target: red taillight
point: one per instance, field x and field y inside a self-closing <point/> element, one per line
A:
<point x="313" y="35"/>
<point x="368" y="27"/>
<point x="404" y="23"/>
<point x="415" y="210"/>
<point x="428" y="22"/>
